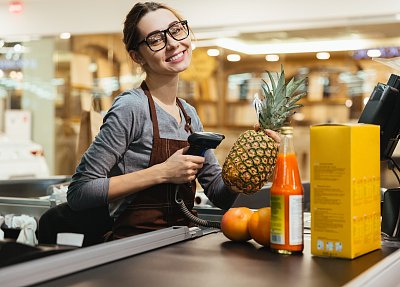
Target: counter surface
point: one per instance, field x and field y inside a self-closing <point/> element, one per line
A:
<point x="213" y="260"/>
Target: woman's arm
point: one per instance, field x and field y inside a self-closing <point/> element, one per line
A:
<point x="116" y="164"/>
<point x="178" y="168"/>
<point x="90" y="182"/>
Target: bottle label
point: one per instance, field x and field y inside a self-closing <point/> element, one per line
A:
<point x="295" y="219"/>
<point x="277" y="219"/>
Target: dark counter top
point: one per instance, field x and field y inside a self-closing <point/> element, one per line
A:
<point x="213" y="260"/>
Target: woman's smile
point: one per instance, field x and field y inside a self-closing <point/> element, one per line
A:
<point x="176" y="58"/>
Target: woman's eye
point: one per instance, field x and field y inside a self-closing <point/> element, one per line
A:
<point x="176" y="30"/>
<point x="155" y="40"/>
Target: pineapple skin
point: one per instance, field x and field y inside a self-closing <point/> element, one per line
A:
<point x="250" y="162"/>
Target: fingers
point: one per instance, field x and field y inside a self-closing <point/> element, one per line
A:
<point x="189" y="176"/>
<point x="274" y="135"/>
<point x="197" y="160"/>
<point x="182" y="168"/>
<point x="182" y="150"/>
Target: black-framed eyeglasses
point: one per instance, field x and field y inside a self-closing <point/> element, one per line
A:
<point x="157" y="40"/>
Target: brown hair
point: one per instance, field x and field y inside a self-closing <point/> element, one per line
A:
<point x="139" y="10"/>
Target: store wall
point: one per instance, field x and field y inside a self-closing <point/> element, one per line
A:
<point x="39" y="98"/>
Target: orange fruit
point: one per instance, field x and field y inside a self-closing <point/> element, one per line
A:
<point x="234" y="223"/>
<point x="259" y="226"/>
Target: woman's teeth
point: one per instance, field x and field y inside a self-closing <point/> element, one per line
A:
<point x="176" y="57"/>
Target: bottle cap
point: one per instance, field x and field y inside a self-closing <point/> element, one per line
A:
<point x="287" y="130"/>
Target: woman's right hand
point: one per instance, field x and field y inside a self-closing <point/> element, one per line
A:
<point x="181" y="168"/>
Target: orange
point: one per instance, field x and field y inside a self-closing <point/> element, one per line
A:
<point x="234" y="223"/>
<point x="259" y="226"/>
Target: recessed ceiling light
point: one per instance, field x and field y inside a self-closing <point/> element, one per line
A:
<point x="323" y="55"/>
<point x="272" y="58"/>
<point x="65" y="36"/>
<point x="213" y="52"/>
<point x="374" y="53"/>
<point x="17" y="48"/>
<point x="233" y="58"/>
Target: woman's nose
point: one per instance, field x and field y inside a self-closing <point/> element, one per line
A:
<point x="171" y="42"/>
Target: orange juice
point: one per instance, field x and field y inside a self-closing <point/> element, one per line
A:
<point x="287" y="201"/>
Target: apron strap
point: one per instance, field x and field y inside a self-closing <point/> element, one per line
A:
<point x="153" y="114"/>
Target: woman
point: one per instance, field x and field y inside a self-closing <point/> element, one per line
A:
<point x="138" y="157"/>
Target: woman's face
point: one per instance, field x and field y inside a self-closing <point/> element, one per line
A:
<point x="176" y="55"/>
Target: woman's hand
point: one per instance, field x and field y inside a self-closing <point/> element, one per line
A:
<point x="180" y="168"/>
<point x="272" y="134"/>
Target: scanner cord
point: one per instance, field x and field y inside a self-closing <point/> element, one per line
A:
<point x="393" y="169"/>
<point x="395" y="163"/>
<point x="186" y="212"/>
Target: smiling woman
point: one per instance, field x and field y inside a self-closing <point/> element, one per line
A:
<point x="143" y="141"/>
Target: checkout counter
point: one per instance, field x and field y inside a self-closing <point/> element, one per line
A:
<point x="181" y="256"/>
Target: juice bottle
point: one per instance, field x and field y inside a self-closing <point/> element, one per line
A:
<point x="287" y="200"/>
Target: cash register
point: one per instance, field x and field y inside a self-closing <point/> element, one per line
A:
<point x="383" y="109"/>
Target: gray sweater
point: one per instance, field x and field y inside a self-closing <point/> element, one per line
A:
<point x="124" y="144"/>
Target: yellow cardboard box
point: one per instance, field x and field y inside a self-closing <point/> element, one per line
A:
<point x="345" y="189"/>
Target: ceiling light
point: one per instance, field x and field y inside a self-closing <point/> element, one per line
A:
<point x="348" y="103"/>
<point x="323" y="56"/>
<point x="374" y="53"/>
<point x="272" y="58"/>
<point x="65" y="36"/>
<point x="310" y="46"/>
<point x="17" y="48"/>
<point x="233" y="58"/>
<point x="216" y="34"/>
<point x="213" y="52"/>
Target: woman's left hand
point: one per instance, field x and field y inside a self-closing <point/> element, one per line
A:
<point x="272" y="134"/>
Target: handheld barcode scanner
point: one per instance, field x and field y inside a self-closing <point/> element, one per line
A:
<point x="199" y="143"/>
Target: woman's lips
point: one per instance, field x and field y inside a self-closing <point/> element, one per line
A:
<point x="175" y="57"/>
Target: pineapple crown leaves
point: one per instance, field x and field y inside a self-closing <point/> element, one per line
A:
<point x="279" y="101"/>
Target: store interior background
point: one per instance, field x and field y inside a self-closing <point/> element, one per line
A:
<point x="56" y="56"/>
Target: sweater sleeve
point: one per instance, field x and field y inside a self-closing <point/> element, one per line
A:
<point x="210" y="176"/>
<point x="90" y="183"/>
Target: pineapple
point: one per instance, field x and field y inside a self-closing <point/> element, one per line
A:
<point x="251" y="160"/>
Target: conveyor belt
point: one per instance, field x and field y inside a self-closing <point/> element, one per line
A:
<point x="47" y="268"/>
<point x="213" y="260"/>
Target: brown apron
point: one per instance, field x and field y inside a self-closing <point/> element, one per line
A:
<point x="155" y="207"/>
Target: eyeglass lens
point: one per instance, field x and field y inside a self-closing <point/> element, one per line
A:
<point x="158" y="40"/>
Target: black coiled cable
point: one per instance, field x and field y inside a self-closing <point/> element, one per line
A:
<point x="190" y="216"/>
